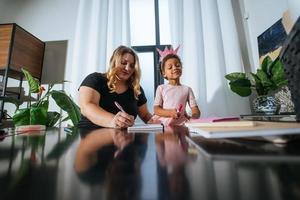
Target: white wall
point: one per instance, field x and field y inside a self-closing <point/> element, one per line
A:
<point x="46" y="19"/>
<point x="49" y="20"/>
<point x="294" y="7"/>
<point x="258" y="16"/>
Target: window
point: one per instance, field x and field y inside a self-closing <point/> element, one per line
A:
<point x="149" y="26"/>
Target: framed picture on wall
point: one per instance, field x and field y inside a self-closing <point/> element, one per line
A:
<point x="271" y="40"/>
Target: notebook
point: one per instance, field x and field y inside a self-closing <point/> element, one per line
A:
<point x="145" y="128"/>
<point x="218" y="122"/>
<point x="259" y="129"/>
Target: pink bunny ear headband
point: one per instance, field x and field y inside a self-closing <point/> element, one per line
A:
<point x="166" y="52"/>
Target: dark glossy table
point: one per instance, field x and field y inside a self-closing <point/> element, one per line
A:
<point x="112" y="164"/>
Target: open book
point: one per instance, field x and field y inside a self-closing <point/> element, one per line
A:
<point x="145" y="128"/>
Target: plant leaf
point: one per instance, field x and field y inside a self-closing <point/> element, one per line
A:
<point x="22" y="117"/>
<point x="38" y="115"/>
<point x="65" y="119"/>
<point x="33" y="84"/>
<point x="282" y="83"/>
<point x="241" y="87"/>
<point x="260" y="90"/>
<point x="265" y="81"/>
<point x="40" y="103"/>
<point x="266" y="64"/>
<point x="278" y="73"/>
<point x="52" y="118"/>
<point x="235" y="76"/>
<point x="67" y="104"/>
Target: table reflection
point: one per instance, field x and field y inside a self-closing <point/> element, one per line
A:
<point x="174" y="154"/>
<point x="243" y="168"/>
<point x="112" y="157"/>
<point x="113" y="164"/>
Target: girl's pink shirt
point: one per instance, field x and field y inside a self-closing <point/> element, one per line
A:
<point x="170" y="97"/>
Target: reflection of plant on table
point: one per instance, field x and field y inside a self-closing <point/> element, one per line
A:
<point x="37" y="113"/>
<point x="268" y="78"/>
<point x="33" y="144"/>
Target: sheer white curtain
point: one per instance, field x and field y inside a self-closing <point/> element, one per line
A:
<point x="101" y="27"/>
<point x="206" y="31"/>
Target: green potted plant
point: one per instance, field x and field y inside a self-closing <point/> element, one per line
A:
<point x="37" y="113"/>
<point x="268" y="79"/>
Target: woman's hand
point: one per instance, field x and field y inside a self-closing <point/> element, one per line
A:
<point x="122" y="120"/>
<point x="121" y="140"/>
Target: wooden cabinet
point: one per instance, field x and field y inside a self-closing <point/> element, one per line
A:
<point x="18" y="49"/>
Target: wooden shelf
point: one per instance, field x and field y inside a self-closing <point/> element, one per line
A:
<point x="20" y="49"/>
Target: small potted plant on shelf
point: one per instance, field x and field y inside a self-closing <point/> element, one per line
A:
<point x="268" y="79"/>
<point x="37" y="113"/>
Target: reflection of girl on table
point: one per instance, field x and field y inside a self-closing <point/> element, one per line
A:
<point x="171" y="99"/>
<point x="174" y="154"/>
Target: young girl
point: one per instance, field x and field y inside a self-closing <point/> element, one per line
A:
<point x="171" y="99"/>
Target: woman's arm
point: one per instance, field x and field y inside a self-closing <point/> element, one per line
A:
<point x="89" y="107"/>
<point x="143" y="113"/>
<point x="86" y="155"/>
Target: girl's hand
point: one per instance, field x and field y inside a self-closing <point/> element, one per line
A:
<point x="187" y="116"/>
<point x="122" y="120"/>
<point x="174" y="114"/>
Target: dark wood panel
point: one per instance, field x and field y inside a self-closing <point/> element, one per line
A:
<point x="5" y="39"/>
<point x="27" y="52"/>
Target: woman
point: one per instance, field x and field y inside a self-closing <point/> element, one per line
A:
<point x="99" y="93"/>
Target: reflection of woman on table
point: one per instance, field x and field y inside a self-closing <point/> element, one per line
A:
<point x="86" y="155"/>
<point x="112" y="157"/>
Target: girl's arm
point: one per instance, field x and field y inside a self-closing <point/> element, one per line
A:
<point x="89" y="107"/>
<point x="195" y="112"/>
<point x="166" y="112"/>
<point x="193" y="105"/>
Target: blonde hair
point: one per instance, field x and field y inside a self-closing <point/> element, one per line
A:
<point x="134" y="80"/>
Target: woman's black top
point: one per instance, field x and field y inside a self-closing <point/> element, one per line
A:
<point x="130" y="104"/>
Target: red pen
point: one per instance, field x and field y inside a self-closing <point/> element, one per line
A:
<point x="179" y="108"/>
